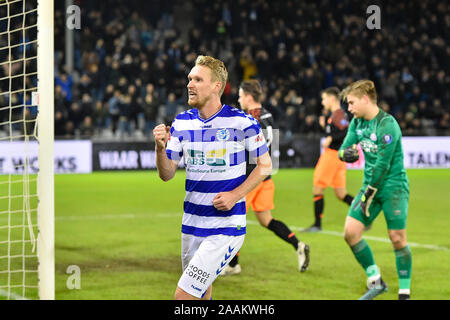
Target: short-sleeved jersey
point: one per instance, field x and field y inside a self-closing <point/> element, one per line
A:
<point x="336" y="127"/>
<point x="265" y="119"/>
<point x="214" y="155"/>
<point x="380" y="140"/>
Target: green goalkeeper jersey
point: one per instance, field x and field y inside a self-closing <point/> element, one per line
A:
<point x="380" y="140"/>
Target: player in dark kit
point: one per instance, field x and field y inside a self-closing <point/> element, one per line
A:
<point x="330" y="170"/>
<point x="261" y="198"/>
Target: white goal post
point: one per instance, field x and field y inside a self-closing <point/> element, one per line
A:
<point x="45" y="124"/>
<point x="27" y="241"/>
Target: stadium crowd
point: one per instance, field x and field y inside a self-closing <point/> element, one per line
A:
<point x="132" y="59"/>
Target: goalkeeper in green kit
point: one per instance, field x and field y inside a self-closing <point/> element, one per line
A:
<point x="385" y="186"/>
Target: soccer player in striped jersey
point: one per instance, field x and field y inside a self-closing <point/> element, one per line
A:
<point x="260" y="199"/>
<point x="212" y="139"/>
<point x="385" y="186"/>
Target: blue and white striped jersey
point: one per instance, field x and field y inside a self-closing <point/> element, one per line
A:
<point x="214" y="155"/>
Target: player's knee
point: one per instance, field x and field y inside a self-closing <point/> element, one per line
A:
<point x="180" y="294"/>
<point x="351" y="237"/>
<point x="398" y="240"/>
<point x="399" y="244"/>
<point x="340" y="193"/>
<point x="318" y="191"/>
<point x="177" y="295"/>
<point x="264" y="218"/>
<point x="341" y="196"/>
<point x="348" y="237"/>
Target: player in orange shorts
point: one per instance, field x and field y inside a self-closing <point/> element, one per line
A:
<point x="330" y="171"/>
<point x="260" y="200"/>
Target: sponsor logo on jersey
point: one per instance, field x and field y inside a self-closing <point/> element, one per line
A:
<point x="368" y="146"/>
<point x="373" y="137"/>
<point x="212" y="158"/>
<point x="259" y="137"/>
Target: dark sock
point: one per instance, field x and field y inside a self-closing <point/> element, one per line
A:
<point x="235" y="260"/>
<point x="348" y="199"/>
<point x="283" y="232"/>
<point x="318" y="209"/>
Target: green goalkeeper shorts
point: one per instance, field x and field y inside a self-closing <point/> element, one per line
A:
<point x="393" y="200"/>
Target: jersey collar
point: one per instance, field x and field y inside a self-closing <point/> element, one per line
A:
<point x="210" y="118"/>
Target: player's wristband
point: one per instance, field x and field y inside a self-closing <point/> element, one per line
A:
<point x="366" y="199"/>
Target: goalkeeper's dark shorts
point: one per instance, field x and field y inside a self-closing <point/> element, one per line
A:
<point x="393" y="200"/>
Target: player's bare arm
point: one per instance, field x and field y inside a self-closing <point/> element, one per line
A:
<point x="226" y="200"/>
<point x="166" y="167"/>
<point x="327" y="142"/>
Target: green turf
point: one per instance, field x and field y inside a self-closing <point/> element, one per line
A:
<point x="123" y="231"/>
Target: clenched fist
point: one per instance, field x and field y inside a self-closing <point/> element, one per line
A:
<point x="162" y="135"/>
<point x="224" y="201"/>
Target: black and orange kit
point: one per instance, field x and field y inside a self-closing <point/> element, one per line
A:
<point x="261" y="198"/>
<point x="330" y="171"/>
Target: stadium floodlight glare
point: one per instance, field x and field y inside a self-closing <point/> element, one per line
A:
<point x="27" y="267"/>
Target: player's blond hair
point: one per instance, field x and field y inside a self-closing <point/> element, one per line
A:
<point x="360" y="88"/>
<point x="218" y="70"/>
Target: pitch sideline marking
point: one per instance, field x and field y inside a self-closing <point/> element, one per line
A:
<point x="167" y="215"/>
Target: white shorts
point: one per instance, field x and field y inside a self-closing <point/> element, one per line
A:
<point x="203" y="258"/>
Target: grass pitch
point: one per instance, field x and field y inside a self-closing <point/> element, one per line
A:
<point x="123" y="231"/>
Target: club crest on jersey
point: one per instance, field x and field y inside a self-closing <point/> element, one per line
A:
<point x="387" y="139"/>
<point x="223" y="134"/>
<point x="373" y="137"/>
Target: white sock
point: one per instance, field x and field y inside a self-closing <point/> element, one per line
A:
<point x="404" y="291"/>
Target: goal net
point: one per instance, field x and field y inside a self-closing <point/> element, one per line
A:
<point x="26" y="223"/>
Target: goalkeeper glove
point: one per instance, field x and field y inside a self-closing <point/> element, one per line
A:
<point x="349" y="154"/>
<point x="366" y="199"/>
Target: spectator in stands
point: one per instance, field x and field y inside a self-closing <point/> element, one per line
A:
<point x="114" y="111"/>
<point x="99" y="116"/>
<point x="150" y="107"/>
<point x="290" y="121"/>
<point x="61" y="102"/>
<point x="65" y="81"/>
<point x="124" y="115"/>
<point x="69" y="131"/>
<point x="171" y="108"/>
<point x="76" y="115"/>
<point x="60" y="124"/>
<point x="87" y="127"/>
<point x="136" y="115"/>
